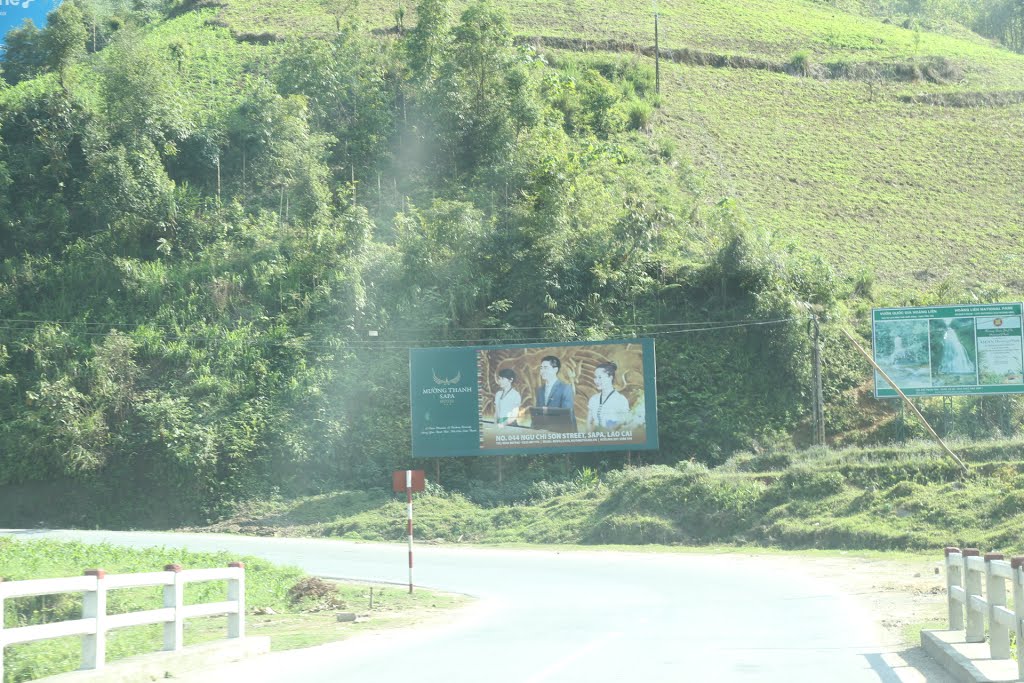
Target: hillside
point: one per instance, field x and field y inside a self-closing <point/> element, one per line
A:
<point x="206" y="209"/>
<point x="914" y="179"/>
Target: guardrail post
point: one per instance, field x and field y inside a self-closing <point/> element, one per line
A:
<point x="1017" y="564"/>
<point x="995" y="594"/>
<point x="236" y="592"/>
<point x="174" y="596"/>
<point x="954" y="577"/>
<point x="94" y="606"/>
<point x="975" y="630"/>
<point x="1" y="634"/>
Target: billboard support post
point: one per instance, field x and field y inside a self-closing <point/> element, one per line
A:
<point x="947" y="409"/>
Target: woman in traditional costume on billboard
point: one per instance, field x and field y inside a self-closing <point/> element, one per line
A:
<point x="507" y="400"/>
<point x="608" y="409"/>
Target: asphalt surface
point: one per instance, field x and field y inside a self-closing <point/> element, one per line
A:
<point x="586" y="616"/>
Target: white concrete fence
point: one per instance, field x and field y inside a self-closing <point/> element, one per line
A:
<point x="977" y="585"/>
<point x="95" y="621"/>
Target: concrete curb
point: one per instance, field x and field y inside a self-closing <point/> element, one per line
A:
<point x="160" y="665"/>
<point x="967" y="662"/>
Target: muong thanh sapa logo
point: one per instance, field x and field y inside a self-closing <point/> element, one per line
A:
<point x="446" y="381"/>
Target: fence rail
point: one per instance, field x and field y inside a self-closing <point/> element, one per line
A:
<point x="95" y="622"/>
<point x="977" y="589"/>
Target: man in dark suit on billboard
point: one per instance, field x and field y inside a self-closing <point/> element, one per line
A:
<point x="554" y="393"/>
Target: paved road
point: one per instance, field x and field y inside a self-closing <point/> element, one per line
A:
<point x="572" y="617"/>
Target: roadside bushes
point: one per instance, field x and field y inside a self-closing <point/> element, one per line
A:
<point x="681" y="504"/>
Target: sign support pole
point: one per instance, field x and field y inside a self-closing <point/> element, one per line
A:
<point x="408" y="493"/>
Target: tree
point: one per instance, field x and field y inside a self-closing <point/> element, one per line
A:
<point x="64" y="39"/>
<point x="273" y="159"/>
<point x="428" y="40"/>
<point x="474" y="123"/>
<point x="24" y="56"/>
<point x="349" y="97"/>
<point x="143" y="96"/>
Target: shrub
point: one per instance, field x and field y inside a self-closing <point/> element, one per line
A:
<point x="313" y="594"/>
<point x="804" y="482"/>
<point x="639" y="115"/>
<point x="800" y="64"/>
<point x="633" y="529"/>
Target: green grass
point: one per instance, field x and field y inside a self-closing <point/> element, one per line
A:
<point x="768" y="28"/>
<point x="302" y="621"/>
<point x="915" y="193"/>
<point x="857" y="499"/>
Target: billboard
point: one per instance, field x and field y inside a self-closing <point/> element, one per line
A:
<point x="13" y="13"/>
<point x="533" y="398"/>
<point x="949" y="350"/>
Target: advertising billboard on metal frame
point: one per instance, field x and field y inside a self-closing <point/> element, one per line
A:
<point x="533" y="398"/>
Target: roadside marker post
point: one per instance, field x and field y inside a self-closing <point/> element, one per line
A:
<point x="408" y="480"/>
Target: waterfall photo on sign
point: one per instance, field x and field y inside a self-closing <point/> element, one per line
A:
<point x="954" y="353"/>
<point x="901" y="349"/>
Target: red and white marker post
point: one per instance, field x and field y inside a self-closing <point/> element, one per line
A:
<point x="410" y="480"/>
<point x="408" y="492"/>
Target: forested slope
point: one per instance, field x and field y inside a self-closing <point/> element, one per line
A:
<point x="206" y="209"/>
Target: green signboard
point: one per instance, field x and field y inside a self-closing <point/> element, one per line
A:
<point x="533" y="398"/>
<point x="949" y="350"/>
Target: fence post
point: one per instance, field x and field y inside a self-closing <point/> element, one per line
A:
<point x="174" y="597"/>
<point x="995" y="594"/>
<point x="236" y="592"/>
<point x="954" y="577"/>
<point x="975" y="631"/>
<point x="94" y="606"/>
<point x="1017" y="564"/>
<point x="1" y="634"/>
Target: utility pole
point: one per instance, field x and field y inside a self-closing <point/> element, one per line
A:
<point x="819" y="396"/>
<point x="657" y="58"/>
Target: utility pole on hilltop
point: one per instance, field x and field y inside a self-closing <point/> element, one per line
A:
<point x="657" y="56"/>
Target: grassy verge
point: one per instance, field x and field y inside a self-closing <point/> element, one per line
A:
<point x="293" y="609"/>
<point x="856" y="499"/>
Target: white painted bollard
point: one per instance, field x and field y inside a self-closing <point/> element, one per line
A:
<point x="94" y="606"/>
<point x="995" y="596"/>
<point x="974" y="567"/>
<point x="174" y="597"/>
<point x="1017" y="564"/>
<point x="954" y="585"/>
<point x="236" y="592"/>
<point x="1" y="632"/>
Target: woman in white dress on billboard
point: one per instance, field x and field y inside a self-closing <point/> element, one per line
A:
<point x="608" y="409"/>
<point x="507" y="400"/>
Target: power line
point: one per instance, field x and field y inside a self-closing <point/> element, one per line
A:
<point x="652" y="329"/>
